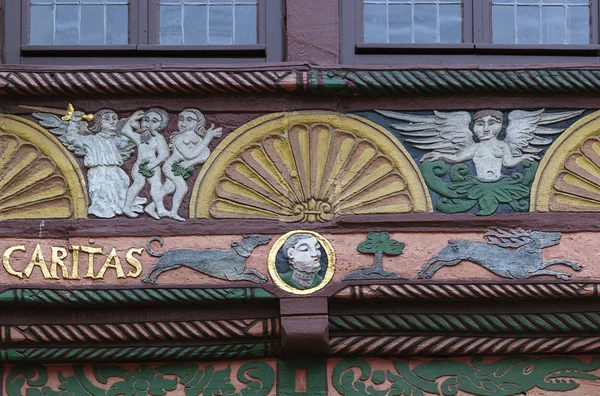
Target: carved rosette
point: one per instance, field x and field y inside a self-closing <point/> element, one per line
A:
<point x="30" y="184"/>
<point x="308" y="167"/>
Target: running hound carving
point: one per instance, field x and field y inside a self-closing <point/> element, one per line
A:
<point x="513" y="254"/>
<point x="227" y="264"/>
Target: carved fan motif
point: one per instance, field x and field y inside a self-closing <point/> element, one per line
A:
<point x="30" y="185"/>
<point x="577" y="188"/>
<point x="310" y="174"/>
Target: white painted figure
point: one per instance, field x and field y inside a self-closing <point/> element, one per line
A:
<point x="189" y="147"/>
<point x="143" y="128"/>
<point x="450" y="139"/>
<point x="103" y="150"/>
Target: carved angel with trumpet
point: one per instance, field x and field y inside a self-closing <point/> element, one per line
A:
<point x="103" y="149"/>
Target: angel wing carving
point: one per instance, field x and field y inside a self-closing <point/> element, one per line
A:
<point x="442" y="132"/>
<point x="58" y="127"/>
<point x="526" y="129"/>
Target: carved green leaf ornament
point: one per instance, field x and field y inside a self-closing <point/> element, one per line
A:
<point x="508" y="376"/>
<point x="464" y="191"/>
<point x="186" y="173"/>
<point x="258" y="378"/>
<point x="380" y="242"/>
<point x="143" y="169"/>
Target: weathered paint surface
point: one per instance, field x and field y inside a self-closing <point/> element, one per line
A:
<point x="483" y="376"/>
<point x="124" y="261"/>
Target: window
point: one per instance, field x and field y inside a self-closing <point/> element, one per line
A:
<point x="412" y="21"/>
<point x="544" y="29"/>
<point x="84" y="22"/>
<point x="143" y="31"/>
<point x="213" y="22"/>
<point x="541" y="21"/>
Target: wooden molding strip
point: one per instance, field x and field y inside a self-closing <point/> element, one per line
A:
<point x="45" y="81"/>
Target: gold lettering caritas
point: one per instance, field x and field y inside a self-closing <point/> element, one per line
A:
<point x="65" y="262"/>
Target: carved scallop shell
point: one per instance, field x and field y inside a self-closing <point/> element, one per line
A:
<point x="310" y="174"/>
<point x="30" y="185"/>
<point x="577" y="187"/>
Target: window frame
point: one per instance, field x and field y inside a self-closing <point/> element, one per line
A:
<point x="477" y="24"/>
<point x="143" y="46"/>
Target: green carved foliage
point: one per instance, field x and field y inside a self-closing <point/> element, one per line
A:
<point x="508" y="376"/>
<point x="258" y="378"/>
<point x="464" y="191"/>
<point x="380" y="242"/>
<point x="186" y="173"/>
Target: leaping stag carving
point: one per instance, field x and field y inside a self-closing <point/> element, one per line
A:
<point x="513" y="254"/>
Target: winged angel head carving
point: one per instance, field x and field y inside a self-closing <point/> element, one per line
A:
<point x="447" y="136"/>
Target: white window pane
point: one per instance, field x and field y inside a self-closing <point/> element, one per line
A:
<point x="400" y="29"/>
<point x="578" y="25"/>
<point x="67" y="19"/>
<point x="92" y="31"/>
<point x="375" y="23"/>
<point x="117" y="24"/>
<point x="42" y="25"/>
<point x="553" y="25"/>
<point x="42" y="1"/>
<point x="170" y="25"/>
<point x="220" y="25"/>
<point x="503" y="25"/>
<point x="425" y="24"/>
<point x="246" y="31"/>
<point x="528" y="25"/>
<point x="450" y="24"/>
<point x="412" y="21"/>
<point x="194" y="25"/>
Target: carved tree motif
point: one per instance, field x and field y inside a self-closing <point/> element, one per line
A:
<point x="378" y="243"/>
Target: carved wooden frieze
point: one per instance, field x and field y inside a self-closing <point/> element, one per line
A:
<point x="482" y="376"/>
<point x="316" y="166"/>
<point x="298" y="262"/>
<point x="308" y="167"/>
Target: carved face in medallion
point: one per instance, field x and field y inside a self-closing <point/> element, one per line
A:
<point x="187" y="121"/>
<point x="301" y="262"/>
<point x="305" y="254"/>
<point x="487" y="127"/>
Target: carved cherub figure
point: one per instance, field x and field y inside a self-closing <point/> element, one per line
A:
<point x="448" y="137"/>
